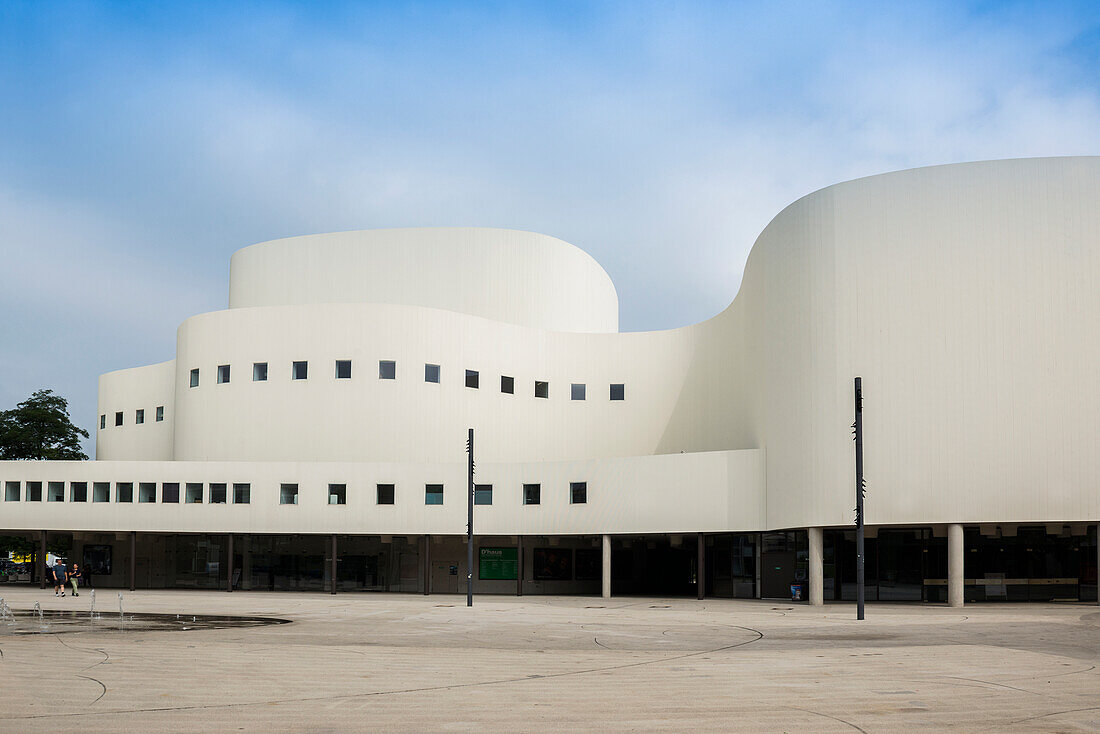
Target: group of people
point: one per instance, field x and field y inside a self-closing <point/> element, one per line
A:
<point x="60" y="574"/>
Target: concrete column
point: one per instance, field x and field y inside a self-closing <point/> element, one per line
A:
<point x="955" y="565"/>
<point x="759" y="569"/>
<point x="605" y="576"/>
<point x="332" y="568"/>
<point x="700" y="566"/>
<point x="229" y="563"/>
<point x="427" y="565"/>
<point x="519" y="565"/>
<point x="133" y="559"/>
<point x="246" y="562"/>
<point x="40" y="567"/>
<point x="817" y="575"/>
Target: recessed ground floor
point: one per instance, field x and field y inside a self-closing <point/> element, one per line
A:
<point x="403" y="662"/>
<point x="1033" y="563"/>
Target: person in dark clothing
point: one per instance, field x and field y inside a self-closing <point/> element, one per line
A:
<point x="86" y="577"/>
<point x="60" y="576"/>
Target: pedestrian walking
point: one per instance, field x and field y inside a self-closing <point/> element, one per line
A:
<point x="74" y="578"/>
<point x="60" y="576"/>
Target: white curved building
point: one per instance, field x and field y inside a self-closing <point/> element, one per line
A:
<point x="323" y="415"/>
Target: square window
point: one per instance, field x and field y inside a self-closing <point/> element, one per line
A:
<point x="618" y="391"/>
<point x="483" y="494"/>
<point x="118" y="418"/>
<point x="337" y="494"/>
<point x="78" y="491"/>
<point x="218" y="494"/>
<point x="11" y="491"/>
<point x="288" y="494"/>
<point x="431" y="373"/>
<point x="385" y="494"/>
<point x="508" y="384"/>
<point x="160" y="413"/>
<point x="124" y="491"/>
<point x="299" y="371"/>
<point x="101" y="491"/>
<point x="139" y="416"/>
<point x="55" y="492"/>
<point x="223" y="374"/>
<point x="259" y="371"/>
<point x="542" y="389"/>
<point x="195" y="377"/>
<point x="532" y="494"/>
<point x="103" y="421"/>
<point x="147" y="492"/>
<point x="242" y="494"/>
<point x="578" y="493"/>
<point x="471" y="378"/>
<point x="193" y="494"/>
<point x="170" y="492"/>
<point x="387" y="369"/>
<point x="343" y="369"/>
<point x="576" y="391"/>
<point x="433" y="494"/>
<point x="34" y="491"/>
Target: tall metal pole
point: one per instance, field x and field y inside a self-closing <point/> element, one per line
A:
<point x="860" y="490"/>
<point x="470" y="522"/>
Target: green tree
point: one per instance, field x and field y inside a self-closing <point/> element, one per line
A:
<point x="39" y="428"/>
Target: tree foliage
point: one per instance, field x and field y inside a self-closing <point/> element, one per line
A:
<point x="39" y="428"/>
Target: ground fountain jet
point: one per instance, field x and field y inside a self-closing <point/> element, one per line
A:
<point x="91" y="612"/>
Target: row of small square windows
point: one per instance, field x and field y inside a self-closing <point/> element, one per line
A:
<point x="139" y="417"/>
<point x="242" y="493"/>
<point x="387" y="370"/>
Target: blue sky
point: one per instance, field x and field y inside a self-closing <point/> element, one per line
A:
<point x="142" y="143"/>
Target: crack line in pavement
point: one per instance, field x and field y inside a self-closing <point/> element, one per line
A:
<point x="1054" y="713"/>
<point x="827" y="716"/>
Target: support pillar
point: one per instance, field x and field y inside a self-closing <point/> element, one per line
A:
<point x="133" y="559"/>
<point x="332" y="569"/>
<point x="229" y="563"/>
<point x="817" y="575"/>
<point x="700" y="566"/>
<point x="757" y="552"/>
<point x="246" y="563"/>
<point x="519" y="565"/>
<point x="40" y="567"/>
<point x="427" y="565"/>
<point x="955" y="565"/>
<point x="605" y="576"/>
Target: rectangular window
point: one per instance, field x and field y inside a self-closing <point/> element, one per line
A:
<point x="578" y="493"/>
<point x="299" y="370"/>
<point x="124" y="491"/>
<point x="223" y="374"/>
<point x="542" y="389"/>
<point x="471" y="378"/>
<point x="576" y="391"/>
<point x="78" y="491"/>
<point x="288" y="494"/>
<point x="343" y="369"/>
<point x="218" y="494"/>
<point x="139" y="416"/>
<point x="431" y="373"/>
<point x="618" y="391"/>
<point x="195" y="377"/>
<point x="34" y="491"/>
<point x="433" y="494"/>
<point x="101" y="491"/>
<point x="193" y="493"/>
<point x="483" y="494"/>
<point x="508" y="384"/>
<point x="11" y="491"/>
<point x="170" y="492"/>
<point x="242" y="494"/>
<point x="385" y="494"/>
<point x="55" y="492"/>
<point x="259" y="371"/>
<point x="387" y="369"/>
<point x="118" y="418"/>
<point x="147" y="492"/>
<point x="337" y="494"/>
<point x="103" y="421"/>
<point x="532" y="494"/>
<point x="160" y="413"/>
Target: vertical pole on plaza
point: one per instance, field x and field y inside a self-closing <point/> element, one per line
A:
<point x="860" y="491"/>
<point x="43" y="559"/>
<point x="470" y="521"/>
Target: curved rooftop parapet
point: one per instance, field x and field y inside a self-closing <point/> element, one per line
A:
<point x="505" y="275"/>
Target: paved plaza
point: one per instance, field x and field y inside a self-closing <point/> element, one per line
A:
<point x="388" y="662"/>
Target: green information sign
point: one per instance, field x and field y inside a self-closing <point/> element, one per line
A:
<point x="497" y="564"/>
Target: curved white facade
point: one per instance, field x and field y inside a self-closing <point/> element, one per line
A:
<point x="965" y="297"/>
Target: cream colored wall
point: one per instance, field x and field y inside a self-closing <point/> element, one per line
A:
<point x="127" y="391"/>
